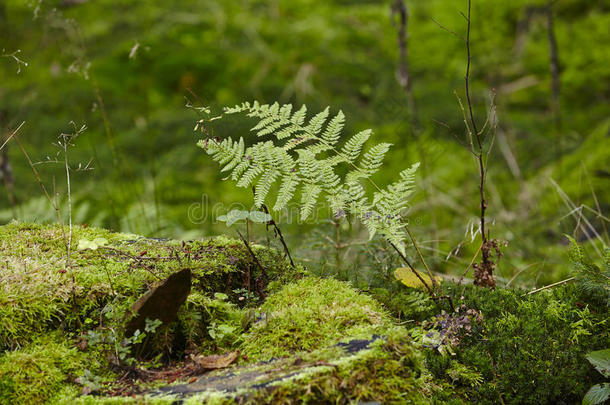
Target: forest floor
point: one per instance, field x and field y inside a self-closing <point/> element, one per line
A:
<point x="127" y="319"/>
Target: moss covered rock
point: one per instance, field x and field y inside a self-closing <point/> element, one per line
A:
<point x="312" y="313"/>
<point x="62" y="322"/>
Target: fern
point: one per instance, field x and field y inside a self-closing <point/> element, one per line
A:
<point x="305" y="157"/>
<point x="590" y="278"/>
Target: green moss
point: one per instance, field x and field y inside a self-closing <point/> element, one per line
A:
<point x="405" y="303"/>
<point x="309" y="314"/>
<point x="389" y="372"/>
<point x="38" y="297"/>
<point x="529" y="348"/>
<point x="37" y="293"/>
<point x="41" y="370"/>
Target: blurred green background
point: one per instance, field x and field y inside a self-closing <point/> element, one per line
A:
<point x="127" y="69"/>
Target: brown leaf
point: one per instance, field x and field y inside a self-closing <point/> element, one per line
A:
<point x="216" y="361"/>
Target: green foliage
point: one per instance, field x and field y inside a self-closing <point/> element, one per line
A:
<point x="111" y="340"/>
<point x="530" y="349"/>
<point x="600" y="359"/>
<point x="592" y="279"/>
<point x="599" y="393"/>
<point x="294" y="161"/>
<point x="405" y="304"/>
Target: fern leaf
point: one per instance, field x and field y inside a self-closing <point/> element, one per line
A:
<point x="298" y="117"/>
<point x="309" y="197"/>
<point x="353" y="147"/>
<point x="373" y="158"/>
<point x="239" y="170"/>
<point x="317" y="121"/>
<point x="263" y="186"/>
<point x="333" y="130"/>
<point x="250" y="175"/>
<point x="286" y="192"/>
<point x="238" y="155"/>
<point x="295" y="163"/>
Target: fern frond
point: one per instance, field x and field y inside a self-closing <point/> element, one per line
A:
<point x="333" y="130"/>
<point x="293" y="158"/>
<point x="316" y="123"/>
<point x="394" y="198"/>
<point x="286" y="192"/>
<point x="239" y="170"/>
<point x="353" y="147"/>
<point x="264" y="185"/>
<point x="298" y="117"/>
<point x="249" y="176"/>
<point x="373" y="158"/>
<point x="309" y="197"/>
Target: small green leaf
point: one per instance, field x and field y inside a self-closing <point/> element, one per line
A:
<point x="233" y="216"/>
<point x="259" y="217"/>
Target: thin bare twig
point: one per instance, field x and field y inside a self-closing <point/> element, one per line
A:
<point x="486" y="276"/>
<point x="470" y="264"/>
<point x="455" y="34"/>
<point x="263" y="275"/>
<point x="546" y="287"/>
<point x="11" y="135"/>
<point x="278" y="232"/>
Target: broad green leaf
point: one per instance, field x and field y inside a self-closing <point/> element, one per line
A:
<point x="601" y="361"/>
<point x="597" y="394"/>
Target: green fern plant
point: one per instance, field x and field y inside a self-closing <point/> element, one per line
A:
<point x="592" y="279"/>
<point x="304" y="157"/>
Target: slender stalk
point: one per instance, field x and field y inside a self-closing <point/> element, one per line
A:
<point x="477" y="150"/>
<point x="66" y="140"/>
<point x="258" y="263"/>
<point x="434" y="297"/>
<point x="11" y="135"/>
<point x="278" y="232"/>
<point x="338" y="246"/>
<point x="404" y="259"/>
<point x="546" y="287"/>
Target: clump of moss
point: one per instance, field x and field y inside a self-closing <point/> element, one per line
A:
<point x="529" y="349"/>
<point x="309" y="314"/>
<point x="35" y="374"/>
